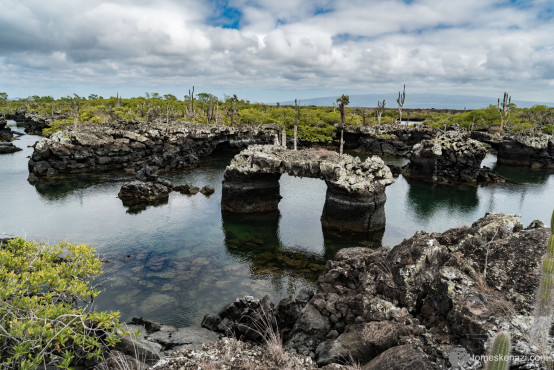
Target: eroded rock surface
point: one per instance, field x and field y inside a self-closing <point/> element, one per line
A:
<point x="452" y="157"/>
<point x="355" y="190"/>
<point x="132" y="146"/>
<point x="5" y="132"/>
<point x="527" y="151"/>
<point x="423" y="296"/>
<point x="6" y="148"/>
<point x="387" y="139"/>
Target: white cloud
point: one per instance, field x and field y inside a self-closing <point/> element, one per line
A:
<point x="446" y="45"/>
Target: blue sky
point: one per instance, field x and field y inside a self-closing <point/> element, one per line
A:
<point x="269" y="51"/>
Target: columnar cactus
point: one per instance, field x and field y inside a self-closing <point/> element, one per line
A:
<point x="543" y="305"/>
<point x="499" y="354"/>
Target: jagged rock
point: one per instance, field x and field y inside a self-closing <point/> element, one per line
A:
<point x="5" y="132"/>
<point x="429" y="289"/>
<point x="246" y="318"/>
<point x="527" y="151"/>
<point x="387" y="139"/>
<point x="450" y="158"/>
<point x="492" y="139"/>
<point x="355" y="190"/>
<point x="132" y="146"/>
<point x="207" y="190"/>
<point x="6" y="148"/>
<point x="140" y="192"/>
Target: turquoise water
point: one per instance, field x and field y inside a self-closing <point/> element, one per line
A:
<point x="178" y="261"/>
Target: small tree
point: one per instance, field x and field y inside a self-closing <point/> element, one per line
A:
<point x="400" y="101"/>
<point x="45" y="318"/>
<point x="504" y="108"/>
<point x="296" y="118"/>
<point x="233" y="111"/>
<point x="380" y="110"/>
<point x="343" y="101"/>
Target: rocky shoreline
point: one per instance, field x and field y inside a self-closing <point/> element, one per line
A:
<point x="392" y="308"/>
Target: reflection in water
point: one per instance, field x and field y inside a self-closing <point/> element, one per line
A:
<point x="523" y="174"/>
<point x="254" y="239"/>
<point x="426" y="199"/>
<point x="57" y="189"/>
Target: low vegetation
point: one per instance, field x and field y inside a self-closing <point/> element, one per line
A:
<point x="314" y="123"/>
<point x="45" y="306"/>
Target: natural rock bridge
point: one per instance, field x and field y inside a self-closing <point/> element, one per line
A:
<point x="355" y="196"/>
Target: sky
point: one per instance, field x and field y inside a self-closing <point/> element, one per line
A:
<point x="270" y="51"/>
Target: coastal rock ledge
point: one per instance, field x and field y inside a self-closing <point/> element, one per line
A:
<point x="355" y="190"/>
<point x="131" y="146"/>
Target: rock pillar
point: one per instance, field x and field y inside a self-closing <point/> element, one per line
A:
<point x="250" y="193"/>
<point x="353" y="212"/>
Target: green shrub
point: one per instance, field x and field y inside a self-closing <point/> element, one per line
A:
<point x="45" y="296"/>
<point x="58" y="125"/>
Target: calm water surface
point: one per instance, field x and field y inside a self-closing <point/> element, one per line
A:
<point x="178" y="261"/>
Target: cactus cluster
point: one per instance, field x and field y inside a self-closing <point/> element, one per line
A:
<point x="499" y="354"/>
<point x="543" y="304"/>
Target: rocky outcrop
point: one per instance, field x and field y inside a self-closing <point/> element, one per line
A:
<point x="34" y="122"/>
<point x="141" y="192"/>
<point x="5" y="132"/>
<point x="386" y="139"/>
<point x="450" y="158"/>
<point x="355" y="190"/>
<point x="132" y="146"/>
<point x="6" y="148"/>
<point x="150" y="189"/>
<point x="425" y="295"/>
<point x="492" y="139"/>
<point x="414" y="304"/>
<point x="527" y="151"/>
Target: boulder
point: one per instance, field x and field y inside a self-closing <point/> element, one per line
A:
<point x="407" y="356"/>
<point x="207" y="190"/>
<point x="246" y="318"/>
<point x="141" y="192"/>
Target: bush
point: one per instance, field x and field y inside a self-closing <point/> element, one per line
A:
<point x="45" y="297"/>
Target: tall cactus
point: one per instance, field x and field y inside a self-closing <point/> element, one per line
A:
<point x="543" y="305"/>
<point x="499" y="354"/>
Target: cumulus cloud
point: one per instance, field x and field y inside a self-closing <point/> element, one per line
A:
<point x="448" y="46"/>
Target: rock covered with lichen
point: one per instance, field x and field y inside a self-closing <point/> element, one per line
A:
<point x="131" y="146"/>
<point x="536" y="151"/>
<point x="387" y="139"/>
<point x="452" y="157"/>
<point x="347" y="172"/>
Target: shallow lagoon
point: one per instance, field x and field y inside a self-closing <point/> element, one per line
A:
<point x="178" y="261"/>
